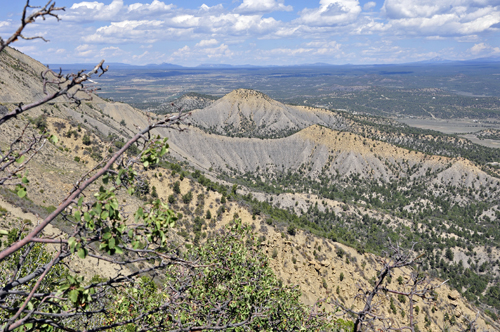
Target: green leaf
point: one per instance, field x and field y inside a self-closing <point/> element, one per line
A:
<point x="112" y="243"/>
<point x="73" y="295"/>
<point x="3" y="232"/>
<point x="25" y="180"/>
<point x="53" y="139"/>
<point x="106" y="235"/>
<point x="114" y="204"/>
<point x="80" y="201"/>
<point x="20" y="159"/>
<point x="82" y="253"/>
<point x="118" y="250"/>
<point x="163" y="151"/>
<point x="72" y="243"/>
<point x="139" y="214"/>
<point x="98" y="209"/>
<point x="146" y="164"/>
<point x="104" y="215"/>
<point x="21" y="192"/>
<point x="78" y="215"/>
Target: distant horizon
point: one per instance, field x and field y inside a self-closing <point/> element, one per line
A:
<point x="260" y="32"/>
<point x="316" y="64"/>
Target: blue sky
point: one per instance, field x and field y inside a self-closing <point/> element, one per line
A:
<point x="261" y="32"/>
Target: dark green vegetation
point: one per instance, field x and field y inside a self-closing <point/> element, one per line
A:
<point x="426" y="141"/>
<point x="231" y="266"/>
<point x="393" y="212"/>
<point x="454" y="223"/>
<point x="187" y="102"/>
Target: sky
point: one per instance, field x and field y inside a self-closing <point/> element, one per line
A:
<point x="260" y="32"/>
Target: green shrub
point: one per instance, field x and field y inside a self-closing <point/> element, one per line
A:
<point x="171" y="199"/>
<point x="86" y="140"/>
<point x="177" y="187"/>
<point x="187" y="198"/>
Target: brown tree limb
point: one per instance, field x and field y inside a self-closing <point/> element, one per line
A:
<point x="48" y="10"/>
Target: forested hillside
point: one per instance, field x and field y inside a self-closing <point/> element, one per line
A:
<point x="323" y="202"/>
<point x="374" y="180"/>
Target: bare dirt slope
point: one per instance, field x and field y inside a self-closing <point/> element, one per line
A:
<point x="321" y="151"/>
<point x="251" y="113"/>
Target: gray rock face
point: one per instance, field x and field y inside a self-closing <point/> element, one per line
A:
<point x="318" y="151"/>
<point x="250" y="113"/>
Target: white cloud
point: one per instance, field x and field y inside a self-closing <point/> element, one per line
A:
<point x="483" y="50"/>
<point x="186" y="54"/>
<point x="94" y="11"/>
<point x="443" y="17"/>
<point x="186" y="21"/>
<point x="435" y="38"/>
<point x="146" y="9"/>
<point x="213" y="9"/>
<point x="218" y="52"/>
<point x="181" y="53"/>
<point x="331" y="13"/>
<point x="138" y="57"/>
<point x="111" y="51"/>
<point x="369" y="5"/>
<point x="207" y="42"/>
<point x="84" y="51"/>
<point x="144" y="31"/>
<point x="323" y="44"/>
<point x="115" y="11"/>
<point x="83" y="47"/>
<point x="467" y="39"/>
<point x="262" y="6"/>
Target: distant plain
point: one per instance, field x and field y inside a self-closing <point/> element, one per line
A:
<point x="453" y="98"/>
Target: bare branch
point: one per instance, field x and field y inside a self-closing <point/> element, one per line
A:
<point x="49" y="9"/>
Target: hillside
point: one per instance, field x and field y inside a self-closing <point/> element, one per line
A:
<point x="249" y="113"/>
<point x="339" y="188"/>
<point x="187" y="102"/>
<point x="321" y="267"/>
<point x="369" y="189"/>
<point x="318" y="151"/>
